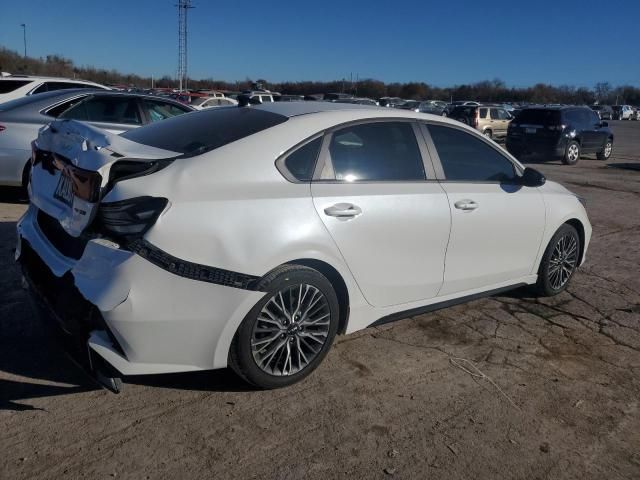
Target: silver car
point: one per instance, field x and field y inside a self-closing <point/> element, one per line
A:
<point x="116" y="112"/>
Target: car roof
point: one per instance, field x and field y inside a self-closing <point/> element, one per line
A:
<point x="293" y="109"/>
<point x="335" y="113"/>
<point x="38" y="77"/>
<point x="43" y="100"/>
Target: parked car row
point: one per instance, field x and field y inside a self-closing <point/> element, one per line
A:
<point x="114" y="112"/>
<point x="564" y="132"/>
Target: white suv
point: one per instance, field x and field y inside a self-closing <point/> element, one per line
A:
<point x="251" y="236"/>
<point x="16" y="86"/>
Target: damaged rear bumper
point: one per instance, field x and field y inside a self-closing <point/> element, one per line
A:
<point x="138" y="317"/>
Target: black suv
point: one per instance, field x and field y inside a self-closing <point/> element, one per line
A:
<point x="559" y="132"/>
<point x="605" y="112"/>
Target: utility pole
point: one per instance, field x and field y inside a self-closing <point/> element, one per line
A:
<point x="24" y="37"/>
<point x="183" y="7"/>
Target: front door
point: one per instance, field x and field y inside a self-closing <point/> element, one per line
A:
<point x="386" y="213"/>
<point x="496" y="224"/>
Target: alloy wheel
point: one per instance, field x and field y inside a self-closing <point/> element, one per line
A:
<point x="573" y="153"/>
<point x="563" y="261"/>
<point x="607" y="150"/>
<point x="291" y="330"/>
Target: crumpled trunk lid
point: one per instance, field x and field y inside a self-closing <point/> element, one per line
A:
<point x="70" y="169"/>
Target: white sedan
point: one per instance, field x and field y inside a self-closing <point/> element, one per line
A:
<point x="249" y="237"/>
<point x="201" y="103"/>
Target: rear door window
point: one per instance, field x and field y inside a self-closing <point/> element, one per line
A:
<point x="380" y="151"/>
<point x="466" y="158"/>
<point x="7" y="86"/>
<point x="122" y="110"/>
<point x="483" y="113"/>
<point x="495" y="115"/>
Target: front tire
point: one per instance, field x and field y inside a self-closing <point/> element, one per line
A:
<point x="559" y="262"/>
<point x="572" y="153"/>
<point x="606" y="151"/>
<point x="287" y="334"/>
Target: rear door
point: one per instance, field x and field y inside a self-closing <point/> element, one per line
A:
<point x="496" y="224"/>
<point x="376" y="193"/>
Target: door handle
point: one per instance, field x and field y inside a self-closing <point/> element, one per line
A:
<point x="466" y="205"/>
<point x="343" y="210"/>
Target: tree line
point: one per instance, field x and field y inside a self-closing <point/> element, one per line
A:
<point x="484" y="91"/>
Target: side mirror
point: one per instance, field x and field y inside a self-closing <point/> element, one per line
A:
<point x="532" y="178"/>
<point x="604" y="124"/>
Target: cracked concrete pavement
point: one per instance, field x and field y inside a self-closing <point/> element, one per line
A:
<point x="557" y="397"/>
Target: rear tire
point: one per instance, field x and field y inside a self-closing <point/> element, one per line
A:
<point x="572" y="153"/>
<point x="559" y="262"/>
<point x="488" y="133"/>
<point x="287" y="334"/>
<point x="606" y="151"/>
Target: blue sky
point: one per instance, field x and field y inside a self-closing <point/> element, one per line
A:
<point x="442" y="43"/>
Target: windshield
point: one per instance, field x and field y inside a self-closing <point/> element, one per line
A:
<point x="200" y="132"/>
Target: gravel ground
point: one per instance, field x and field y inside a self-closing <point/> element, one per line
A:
<point x="556" y="394"/>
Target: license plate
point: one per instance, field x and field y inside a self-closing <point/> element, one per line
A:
<point x="530" y="130"/>
<point x="64" y="190"/>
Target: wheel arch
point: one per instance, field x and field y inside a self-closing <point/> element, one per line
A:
<point x="577" y="224"/>
<point x="338" y="283"/>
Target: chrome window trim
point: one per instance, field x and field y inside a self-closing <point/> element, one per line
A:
<point x="45" y="111"/>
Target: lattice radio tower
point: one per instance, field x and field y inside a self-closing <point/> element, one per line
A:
<point x="183" y="7"/>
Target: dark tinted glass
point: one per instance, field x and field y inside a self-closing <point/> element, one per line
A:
<point x="41" y="89"/>
<point x="59" y="109"/>
<point x="107" y="110"/>
<point x="495" y="115"/>
<point x="51" y="86"/>
<point x="539" y="116"/>
<point x="302" y="162"/>
<point x="464" y="111"/>
<point x="483" y="113"/>
<point x="157" y="110"/>
<point x="376" y="152"/>
<point x="592" y="117"/>
<point x="7" y="86"/>
<point x="467" y="158"/>
<point x="206" y="130"/>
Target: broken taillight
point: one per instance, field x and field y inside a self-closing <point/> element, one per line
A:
<point x="129" y="219"/>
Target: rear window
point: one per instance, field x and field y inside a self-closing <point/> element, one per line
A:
<point x="463" y="111"/>
<point x="539" y="116"/>
<point x="7" y="86"/>
<point x="200" y="132"/>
